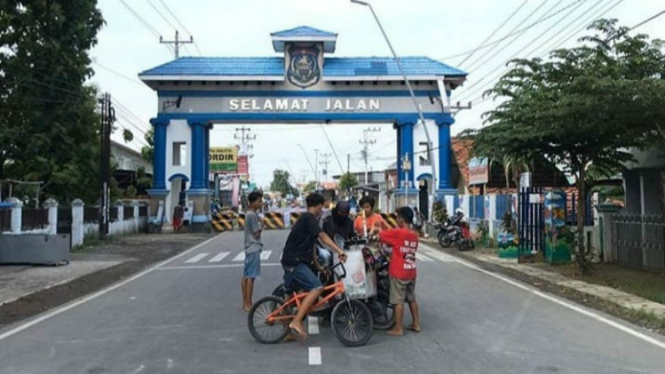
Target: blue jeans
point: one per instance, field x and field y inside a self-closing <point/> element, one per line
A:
<point x="300" y="275"/>
<point x="252" y="264"/>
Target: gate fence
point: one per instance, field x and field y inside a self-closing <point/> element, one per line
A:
<point x="639" y="240"/>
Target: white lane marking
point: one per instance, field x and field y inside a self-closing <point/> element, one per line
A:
<point x="313" y="325"/>
<point x="138" y="370"/>
<point x="422" y="257"/>
<point x="219" y="257"/>
<point x="239" y="257"/>
<point x="265" y="255"/>
<point x="220" y="266"/>
<point x="315" y="355"/>
<point x="102" y="292"/>
<point x="196" y="258"/>
<point x="566" y="304"/>
<point x="438" y="255"/>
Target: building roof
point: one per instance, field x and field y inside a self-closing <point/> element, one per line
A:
<point x="334" y="68"/>
<point x="303" y="31"/>
<point x="304" y="34"/>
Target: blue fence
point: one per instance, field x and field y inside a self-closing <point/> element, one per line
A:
<point x="502" y="206"/>
<point x="571" y="211"/>
<point x="477" y="206"/>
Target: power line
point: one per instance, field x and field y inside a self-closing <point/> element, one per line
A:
<point x="144" y="22"/>
<point x="180" y="23"/>
<point x="587" y="24"/>
<point x="466" y="95"/>
<point x="480" y="59"/>
<point x="161" y="15"/>
<point x="135" y="81"/>
<point x="494" y="32"/>
<point x="509" y="35"/>
<point x="341" y="168"/>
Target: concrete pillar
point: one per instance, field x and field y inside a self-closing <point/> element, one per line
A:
<point x="121" y="211"/>
<point x="445" y="182"/>
<point x="465" y="204"/>
<point x="52" y="207"/>
<point x="16" y="215"/>
<point x="135" y="205"/>
<point x="490" y="215"/>
<point x="77" y="222"/>
<point x="605" y="211"/>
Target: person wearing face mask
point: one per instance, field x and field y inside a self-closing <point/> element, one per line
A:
<point x="338" y="222"/>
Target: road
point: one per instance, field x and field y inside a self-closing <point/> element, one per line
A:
<point x="185" y="316"/>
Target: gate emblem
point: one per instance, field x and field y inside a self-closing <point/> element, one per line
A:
<point x="304" y="70"/>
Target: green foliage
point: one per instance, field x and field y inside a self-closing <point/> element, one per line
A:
<point x="509" y="223"/>
<point x="309" y="187"/>
<point x="440" y="211"/>
<point x="130" y="191"/>
<point x="127" y="135"/>
<point x="148" y="152"/>
<point x="48" y="124"/>
<point x="143" y="183"/>
<point x="582" y="108"/>
<point x="280" y="183"/>
<point x="347" y="182"/>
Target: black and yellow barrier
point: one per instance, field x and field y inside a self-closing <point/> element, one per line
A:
<point x="390" y="219"/>
<point x="241" y="221"/>
<point x="294" y="217"/>
<point x="273" y="221"/>
<point x="223" y="221"/>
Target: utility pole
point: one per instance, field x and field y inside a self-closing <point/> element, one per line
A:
<point x="245" y="139"/>
<point x="325" y="163"/>
<point x="107" y="119"/>
<point x="316" y="167"/>
<point x="366" y="142"/>
<point x="406" y="166"/>
<point x="177" y="42"/>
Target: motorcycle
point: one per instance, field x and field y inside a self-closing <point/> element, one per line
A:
<point x="455" y="231"/>
<point x="376" y="262"/>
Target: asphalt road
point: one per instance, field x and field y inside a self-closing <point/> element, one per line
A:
<point x="185" y="316"/>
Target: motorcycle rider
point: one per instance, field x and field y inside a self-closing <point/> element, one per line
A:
<point x="338" y="222"/>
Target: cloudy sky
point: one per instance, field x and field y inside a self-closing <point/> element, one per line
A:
<point x="441" y="29"/>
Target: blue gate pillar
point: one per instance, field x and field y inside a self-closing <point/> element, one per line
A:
<point x="159" y="126"/>
<point x="405" y="141"/>
<point x="198" y="193"/>
<point x="445" y="187"/>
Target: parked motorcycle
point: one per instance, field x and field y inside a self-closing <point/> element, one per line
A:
<point x="455" y="231"/>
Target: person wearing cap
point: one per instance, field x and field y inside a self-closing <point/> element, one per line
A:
<point x="338" y="222"/>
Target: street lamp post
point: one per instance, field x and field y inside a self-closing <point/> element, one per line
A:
<point x="413" y="96"/>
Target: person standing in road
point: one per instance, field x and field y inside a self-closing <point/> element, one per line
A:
<point x="402" y="269"/>
<point x="253" y="248"/>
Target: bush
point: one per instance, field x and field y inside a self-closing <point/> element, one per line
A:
<point x="440" y="212"/>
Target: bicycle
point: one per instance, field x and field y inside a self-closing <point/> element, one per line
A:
<point x="351" y="320"/>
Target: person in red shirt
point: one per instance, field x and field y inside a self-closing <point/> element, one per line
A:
<point x="402" y="270"/>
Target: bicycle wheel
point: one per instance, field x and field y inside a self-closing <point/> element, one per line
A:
<point x="263" y="331"/>
<point x="352" y="323"/>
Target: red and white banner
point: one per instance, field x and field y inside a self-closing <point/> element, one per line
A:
<point x="243" y="165"/>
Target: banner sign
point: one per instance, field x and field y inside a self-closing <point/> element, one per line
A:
<point x="243" y="165"/>
<point x="478" y="171"/>
<point x="223" y="159"/>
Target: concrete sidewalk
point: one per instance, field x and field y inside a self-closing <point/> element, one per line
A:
<point x="620" y="298"/>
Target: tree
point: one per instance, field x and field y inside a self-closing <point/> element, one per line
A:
<point x="309" y="187"/>
<point x="347" y="182"/>
<point x="148" y="152"/>
<point x="280" y="183"/>
<point x="49" y="128"/>
<point x="580" y="109"/>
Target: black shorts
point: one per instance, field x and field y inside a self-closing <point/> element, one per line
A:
<point x="185" y="222"/>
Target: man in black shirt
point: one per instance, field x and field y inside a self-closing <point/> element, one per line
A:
<point x="298" y="255"/>
<point x="338" y="222"/>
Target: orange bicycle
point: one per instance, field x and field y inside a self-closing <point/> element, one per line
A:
<point x="351" y="320"/>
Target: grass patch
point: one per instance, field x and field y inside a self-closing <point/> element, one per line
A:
<point x="648" y="285"/>
<point x="648" y="319"/>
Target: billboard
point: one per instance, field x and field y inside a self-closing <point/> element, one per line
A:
<point x="478" y="171"/>
<point x="243" y="165"/>
<point x="223" y="159"/>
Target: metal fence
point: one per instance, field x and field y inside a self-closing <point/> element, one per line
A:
<point x="34" y="219"/>
<point x="91" y="214"/>
<point x="143" y="211"/>
<point x="639" y="241"/>
<point x="531" y="225"/>
<point x="571" y="210"/>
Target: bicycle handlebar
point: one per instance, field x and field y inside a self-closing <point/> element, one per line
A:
<point x="343" y="270"/>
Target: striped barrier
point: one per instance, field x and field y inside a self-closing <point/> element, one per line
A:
<point x="241" y="221"/>
<point x="273" y="221"/>
<point x="294" y="217"/>
<point x="390" y="219"/>
<point x="223" y="221"/>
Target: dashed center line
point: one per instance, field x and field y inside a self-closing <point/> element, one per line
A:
<point x="265" y="255"/>
<point x="315" y="355"/>
<point x="313" y="325"/>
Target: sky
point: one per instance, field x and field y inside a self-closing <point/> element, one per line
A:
<point x="445" y="30"/>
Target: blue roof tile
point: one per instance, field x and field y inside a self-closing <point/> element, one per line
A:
<point x="274" y="66"/>
<point x="301" y="31"/>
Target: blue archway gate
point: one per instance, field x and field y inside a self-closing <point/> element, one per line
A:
<point x="303" y="86"/>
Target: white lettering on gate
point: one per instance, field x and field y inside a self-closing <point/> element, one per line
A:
<point x="373" y="104"/>
<point x="244" y="104"/>
<point x="362" y="106"/>
<point x="281" y="104"/>
<point x="233" y="104"/>
<point x="295" y="105"/>
<point x="267" y="106"/>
